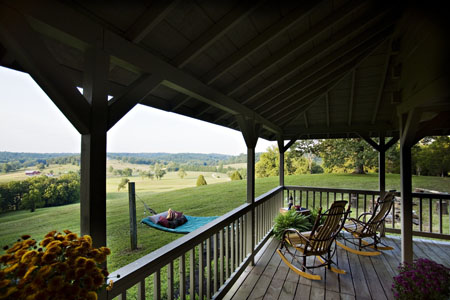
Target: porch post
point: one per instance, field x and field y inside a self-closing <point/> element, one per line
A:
<point x="408" y="127"/>
<point x="382" y="166"/>
<point x="93" y="147"/>
<point x="281" y="150"/>
<point x="250" y="131"/>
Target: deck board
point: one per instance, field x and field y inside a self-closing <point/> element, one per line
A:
<point x="366" y="278"/>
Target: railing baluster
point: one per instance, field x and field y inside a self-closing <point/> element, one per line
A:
<point x="157" y="285"/>
<point x="123" y="296"/>
<point x="241" y="230"/>
<point x="430" y="214"/>
<point x="201" y="270"/>
<point x="357" y="204"/>
<point x="307" y="198"/>
<point x="320" y="195"/>
<point x="328" y="199"/>
<point x="170" y="281"/>
<point x="208" y="268"/>
<point x="192" y="273"/>
<point x="440" y="215"/>
<point x="232" y="247"/>
<point x="236" y="249"/>
<point x="182" y="277"/>
<point x="393" y="215"/>
<point x="216" y="265"/>
<point x="365" y="202"/>
<point x="420" y="215"/>
<point x="314" y="199"/>
<point x="301" y="197"/>
<point x="227" y="251"/>
<point x="141" y="290"/>
<point x="222" y="256"/>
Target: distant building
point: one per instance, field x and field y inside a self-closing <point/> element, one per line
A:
<point x="32" y="173"/>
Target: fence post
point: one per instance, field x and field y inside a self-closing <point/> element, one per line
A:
<point x="132" y="205"/>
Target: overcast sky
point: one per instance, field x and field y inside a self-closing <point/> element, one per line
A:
<point x="30" y="122"/>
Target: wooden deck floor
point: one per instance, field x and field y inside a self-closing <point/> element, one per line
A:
<point x="366" y="278"/>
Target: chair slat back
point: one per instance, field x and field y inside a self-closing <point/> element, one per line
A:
<point x="381" y="210"/>
<point x="323" y="235"/>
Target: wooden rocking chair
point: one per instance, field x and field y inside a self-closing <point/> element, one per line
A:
<point x="360" y="229"/>
<point x="318" y="241"/>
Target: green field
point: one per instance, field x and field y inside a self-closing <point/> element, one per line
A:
<point x="172" y="192"/>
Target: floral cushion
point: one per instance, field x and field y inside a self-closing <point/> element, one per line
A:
<point x="155" y="218"/>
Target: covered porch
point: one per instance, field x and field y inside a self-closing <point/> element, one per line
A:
<point x="281" y="71"/>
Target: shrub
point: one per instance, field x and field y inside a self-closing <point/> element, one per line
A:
<point x="201" y="180"/>
<point x="423" y="279"/>
<point x="236" y="176"/>
<point x="290" y="219"/>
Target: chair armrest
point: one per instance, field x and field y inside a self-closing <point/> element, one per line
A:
<point x="293" y="230"/>
<point x="364" y="214"/>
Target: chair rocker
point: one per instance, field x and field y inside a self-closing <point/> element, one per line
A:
<point x="359" y="229"/>
<point x="317" y="242"/>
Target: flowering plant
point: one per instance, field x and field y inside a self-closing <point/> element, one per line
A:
<point x="423" y="279"/>
<point x="61" y="266"/>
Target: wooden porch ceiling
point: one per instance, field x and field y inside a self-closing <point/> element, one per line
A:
<point x="301" y="69"/>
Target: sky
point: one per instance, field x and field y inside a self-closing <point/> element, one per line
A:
<point x="30" y="122"/>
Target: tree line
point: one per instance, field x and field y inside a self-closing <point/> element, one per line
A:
<point x="12" y="161"/>
<point x="40" y="191"/>
<point x="431" y="157"/>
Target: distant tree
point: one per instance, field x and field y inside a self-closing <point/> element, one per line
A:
<point x="122" y="184"/>
<point x="110" y="169"/>
<point x="160" y="174"/>
<point x="236" y="176"/>
<point x="127" y="172"/>
<point x="182" y="173"/>
<point x="40" y="166"/>
<point x="201" y="180"/>
<point x="307" y="149"/>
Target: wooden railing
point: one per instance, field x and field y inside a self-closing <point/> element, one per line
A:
<point x="431" y="217"/>
<point x="204" y="263"/>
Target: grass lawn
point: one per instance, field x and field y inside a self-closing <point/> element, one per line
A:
<point x="172" y="192"/>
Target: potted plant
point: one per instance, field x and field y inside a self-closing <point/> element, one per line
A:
<point x="61" y="266"/>
<point x="290" y="219"/>
<point x="423" y="279"/>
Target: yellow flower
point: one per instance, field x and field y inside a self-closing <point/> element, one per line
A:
<point x="44" y="271"/>
<point x="91" y="296"/>
<point x="15" y="247"/>
<point x="5" y="258"/>
<point x="90" y="264"/>
<point x="20" y="253"/>
<point x="110" y="285"/>
<point x="11" y="268"/>
<point x="98" y="280"/>
<point x="53" y="243"/>
<point x="80" y="272"/>
<point x="105" y="250"/>
<point x="55" y="249"/>
<point x="42" y="295"/>
<point x="50" y="234"/>
<point x="46" y="241"/>
<point x="25" y="237"/>
<point x="71" y="236"/>
<point x="28" y="256"/>
<point x="48" y="258"/>
<point x="4" y="283"/>
<point x="28" y="273"/>
<point x="80" y="262"/>
<point x="88" y="283"/>
<point x="38" y="282"/>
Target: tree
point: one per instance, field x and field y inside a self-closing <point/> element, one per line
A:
<point x="307" y="149"/>
<point x="110" y="169"/>
<point x="122" y="184"/>
<point x="201" y="180"/>
<point x="236" y="176"/>
<point x="182" y="173"/>
<point x="268" y="163"/>
<point x="346" y="155"/>
<point x="127" y="172"/>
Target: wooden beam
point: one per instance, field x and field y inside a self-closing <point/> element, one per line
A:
<point x="240" y="11"/>
<point x="281" y="151"/>
<point x="332" y="62"/>
<point x="152" y="16"/>
<point x="250" y="130"/>
<point x="136" y="58"/>
<point x="357" y="128"/>
<point x="352" y="98"/>
<point x="32" y="54"/>
<point x="382" y="82"/>
<point x="304" y="102"/>
<point x="409" y="127"/>
<point x="335" y="17"/>
<point x="305" y="117"/>
<point x="138" y="90"/>
<point x="441" y="120"/>
<point x="93" y="148"/>
<point x="262" y="92"/>
<point x="382" y="165"/>
<point x="392" y="141"/>
<point x="262" y="39"/>
<point x="371" y="142"/>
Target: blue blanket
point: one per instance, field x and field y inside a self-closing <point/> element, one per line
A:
<point x="192" y="224"/>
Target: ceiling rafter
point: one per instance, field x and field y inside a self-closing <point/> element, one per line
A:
<point x="300" y="41"/>
<point x="382" y="82"/>
<point x="152" y="16"/>
<point x="304" y="103"/>
<point x="45" y="70"/>
<point x="138" y="58"/>
<point x="279" y="103"/>
<point x="256" y="93"/>
<point x="352" y="97"/>
<point x="262" y="39"/>
<point x="362" y="129"/>
<point x="240" y="11"/>
<point x="327" y="107"/>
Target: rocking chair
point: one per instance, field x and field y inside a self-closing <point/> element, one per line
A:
<point x="360" y="229"/>
<point x="318" y="241"/>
